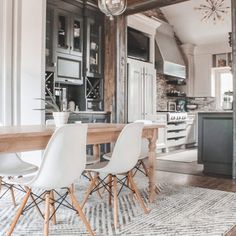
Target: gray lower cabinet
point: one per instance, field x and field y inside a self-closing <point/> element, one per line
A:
<point x="92" y="117"/>
<point x="215" y="142"/>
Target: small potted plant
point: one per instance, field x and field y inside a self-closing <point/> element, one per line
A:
<point x="60" y="116"/>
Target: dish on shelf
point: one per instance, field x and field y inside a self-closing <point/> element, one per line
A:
<point x="191" y="106"/>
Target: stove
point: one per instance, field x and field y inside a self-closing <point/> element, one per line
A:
<point x="175" y="117"/>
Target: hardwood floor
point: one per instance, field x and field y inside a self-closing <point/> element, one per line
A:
<point x="201" y="180"/>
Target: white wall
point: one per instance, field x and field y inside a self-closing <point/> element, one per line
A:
<point x="32" y="60"/>
<point x="22" y="60"/>
<point x="6" y="61"/>
<point x="33" y="24"/>
<point x="203" y="82"/>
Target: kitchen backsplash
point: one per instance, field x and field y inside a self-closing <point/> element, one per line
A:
<point x="204" y="103"/>
<point x="162" y="89"/>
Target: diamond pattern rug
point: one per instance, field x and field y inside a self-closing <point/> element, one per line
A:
<point x="178" y="210"/>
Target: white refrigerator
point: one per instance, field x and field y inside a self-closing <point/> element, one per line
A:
<point x="141" y="90"/>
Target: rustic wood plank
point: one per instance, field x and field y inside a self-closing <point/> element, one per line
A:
<point x="136" y="6"/>
<point x="121" y="70"/>
<point x="110" y="67"/>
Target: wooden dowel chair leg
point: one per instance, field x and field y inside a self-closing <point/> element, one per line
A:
<point x="116" y="202"/>
<point x="52" y="205"/>
<point x="145" y="168"/>
<point x="81" y="214"/>
<point x="89" y="190"/>
<point x="19" y="212"/>
<point x="139" y="198"/>
<point x="47" y="214"/>
<point x="73" y="191"/>
<point x="13" y="196"/>
<point x="96" y="182"/>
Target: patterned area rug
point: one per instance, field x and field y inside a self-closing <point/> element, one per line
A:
<point x="181" y="156"/>
<point x="178" y="210"/>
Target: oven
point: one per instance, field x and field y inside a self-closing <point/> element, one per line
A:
<point x="176" y="129"/>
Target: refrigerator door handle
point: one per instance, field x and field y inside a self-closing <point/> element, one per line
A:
<point x="142" y="92"/>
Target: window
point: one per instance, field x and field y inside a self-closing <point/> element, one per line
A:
<point x="223" y="83"/>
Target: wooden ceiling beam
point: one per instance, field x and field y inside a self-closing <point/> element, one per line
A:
<point x="145" y="5"/>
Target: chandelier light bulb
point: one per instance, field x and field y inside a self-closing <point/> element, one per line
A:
<point x="112" y="8"/>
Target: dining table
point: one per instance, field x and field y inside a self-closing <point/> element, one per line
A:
<point x="35" y="137"/>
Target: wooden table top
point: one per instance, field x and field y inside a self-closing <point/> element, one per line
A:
<point x="36" y="137"/>
<point x="35" y="130"/>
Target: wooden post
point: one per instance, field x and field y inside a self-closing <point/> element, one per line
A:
<point x="115" y="67"/>
<point x="233" y="11"/>
<point x="121" y="72"/>
<point x="110" y="67"/>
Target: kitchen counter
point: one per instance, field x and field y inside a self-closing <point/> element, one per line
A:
<point x="90" y="112"/>
<point x="87" y="117"/>
<point x="215" y="142"/>
<point x="217" y="112"/>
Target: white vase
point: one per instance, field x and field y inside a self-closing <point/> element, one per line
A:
<point x="60" y="118"/>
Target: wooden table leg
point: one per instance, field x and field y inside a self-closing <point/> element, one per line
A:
<point x="96" y="151"/>
<point x="152" y="165"/>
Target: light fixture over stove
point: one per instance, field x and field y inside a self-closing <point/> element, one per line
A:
<point x="112" y="8"/>
<point x="213" y="9"/>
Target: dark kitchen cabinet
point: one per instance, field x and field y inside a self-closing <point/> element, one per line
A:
<point x="94" y="47"/>
<point x="49" y="51"/>
<point x="93" y="86"/>
<point x="69" y="33"/>
<point x="74" y="51"/>
<point x="215" y="142"/>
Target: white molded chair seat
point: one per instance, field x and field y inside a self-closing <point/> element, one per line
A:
<point x="90" y="160"/>
<point x="107" y="156"/>
<point x="129" y="141"/>
<point x="12" y="165"/>
<point x="64" y="160"/>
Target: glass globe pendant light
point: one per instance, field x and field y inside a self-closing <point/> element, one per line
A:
<point x="112" y="8"/>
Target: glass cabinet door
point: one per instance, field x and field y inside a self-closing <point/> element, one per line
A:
<point x="94" y="48"/>
<point x="77" y="29"/>
<point x="63" y="32"/>
<point x="49" y="38"/>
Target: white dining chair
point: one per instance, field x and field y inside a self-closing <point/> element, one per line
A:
<point x="90" y="159"/>
<point x="124" y="157"/>
<point x="11" y="165"/>
<point x="143" y="155"/>
<point x="63" y="162"/>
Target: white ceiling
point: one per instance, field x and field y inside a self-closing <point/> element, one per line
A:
<point x="189" y="27"/>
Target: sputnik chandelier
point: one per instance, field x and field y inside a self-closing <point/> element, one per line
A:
<point x="213" y="9"/>
<point x="112" y="8"/>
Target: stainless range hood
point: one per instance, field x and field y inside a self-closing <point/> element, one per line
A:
<point x="169" y="60"/>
